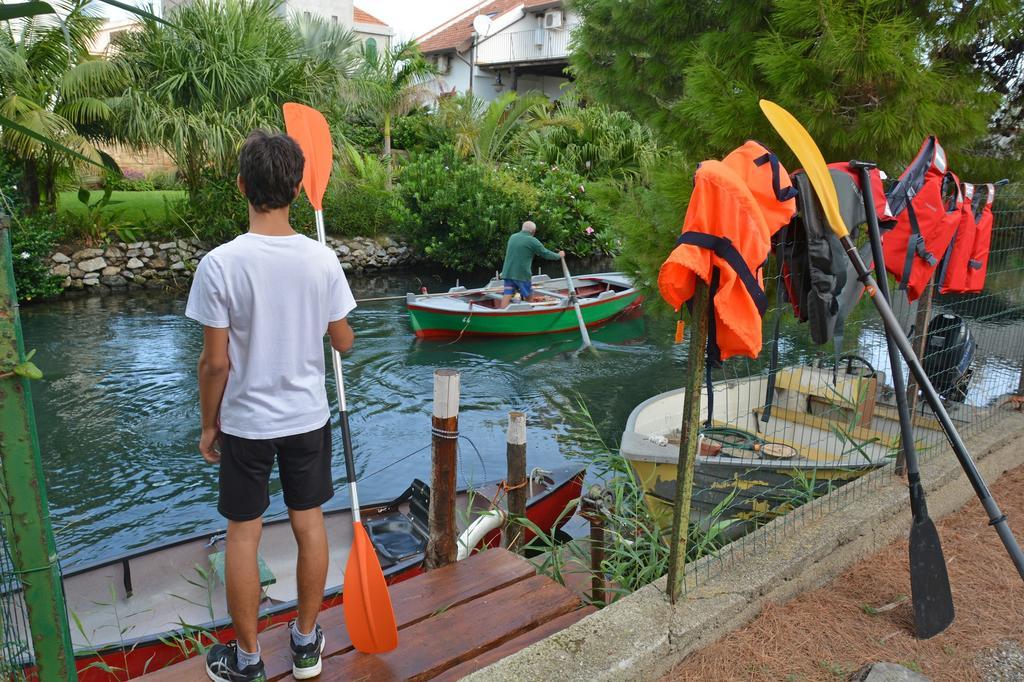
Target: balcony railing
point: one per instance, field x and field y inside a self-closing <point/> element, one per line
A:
<point x="525" y="46"/>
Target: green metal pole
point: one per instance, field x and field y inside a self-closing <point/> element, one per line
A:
<point x="21" y="474"/>
<point x="688" y="441"/>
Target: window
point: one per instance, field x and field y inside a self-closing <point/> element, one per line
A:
<point x="334" y="18"/>
<point x="371" y="43"/>
<point x="307" y="15"/>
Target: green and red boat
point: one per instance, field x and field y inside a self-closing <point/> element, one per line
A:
<point x="478" y="312"/>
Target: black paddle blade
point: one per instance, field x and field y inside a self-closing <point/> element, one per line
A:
<point x="929" y="581"/>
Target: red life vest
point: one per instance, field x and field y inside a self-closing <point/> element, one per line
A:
<point x="926" y="202"/>
<point x="952" y="277"/>
<point x="977" y="266"/>
<point x="882" y="208"/>
<point x="736" y="206"/>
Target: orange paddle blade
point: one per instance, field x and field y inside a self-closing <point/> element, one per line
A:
<point x="308" y="127"/>
<point x="369" y="618"/>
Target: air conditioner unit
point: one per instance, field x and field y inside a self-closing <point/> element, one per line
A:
<point x="553" y="19"/>
<point x="442" y="63"/>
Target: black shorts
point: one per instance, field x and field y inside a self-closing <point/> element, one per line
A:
<point x="303" y="462"/>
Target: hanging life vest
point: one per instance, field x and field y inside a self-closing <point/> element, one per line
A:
<point x="977" y="266"/>
<point x="736" y="206"/>
<point x="952" y="277"/>
<point x="819" y="278"/>
<point x="926" y="202"/>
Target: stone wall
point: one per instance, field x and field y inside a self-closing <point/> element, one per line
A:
<point x="158" y="265"/>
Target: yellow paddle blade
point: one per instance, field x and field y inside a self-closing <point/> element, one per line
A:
<point x="807" y="152"/>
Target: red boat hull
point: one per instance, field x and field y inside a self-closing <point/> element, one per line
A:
<point x="149" y="655"/>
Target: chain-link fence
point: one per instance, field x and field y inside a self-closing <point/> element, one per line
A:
<point x="832" y="416"/>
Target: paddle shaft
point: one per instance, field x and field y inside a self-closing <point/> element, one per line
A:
<point x="339" y="382"/>
<point x="576" y="304"/>
<point x="897" y="336"/>
<point x="917" y="503"/>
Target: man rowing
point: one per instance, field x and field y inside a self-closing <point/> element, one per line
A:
<point x="522" y="247"/>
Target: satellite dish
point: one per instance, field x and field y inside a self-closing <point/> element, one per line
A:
<point x="482" y="24"/>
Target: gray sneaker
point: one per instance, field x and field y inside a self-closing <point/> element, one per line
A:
<point x="306" y="661"/>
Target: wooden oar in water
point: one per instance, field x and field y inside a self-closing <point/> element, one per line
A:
<point x="369" y="617"/>
<point x="931" y="614"/>
<point x="576" y="304"/>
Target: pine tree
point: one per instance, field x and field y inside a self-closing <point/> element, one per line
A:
<point x="869" y="78"/>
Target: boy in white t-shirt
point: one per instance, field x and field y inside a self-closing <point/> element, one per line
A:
<point x="266" y="299"/>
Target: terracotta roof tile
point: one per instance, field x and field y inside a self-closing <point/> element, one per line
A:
<point x="363" y="17"/>
<point x="458" y="29"/>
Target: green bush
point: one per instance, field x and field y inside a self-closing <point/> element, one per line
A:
<point x="130" y="183"/>
<point x="355" y="208"/>
<point x="364" y="135"/>
<point x="32" y="244"/>
<point x="418" y="131"/>
<point x="165" y="180"/>
<point x="462" y="212"/>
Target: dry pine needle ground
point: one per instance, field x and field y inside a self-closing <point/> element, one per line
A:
<point x="832" y="631"/>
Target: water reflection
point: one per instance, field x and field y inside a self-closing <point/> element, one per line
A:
<point x="118" y="413"/>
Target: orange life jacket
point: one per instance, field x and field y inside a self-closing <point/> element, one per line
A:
<point x="926" y="202"/>
<point x="736" y="206"/>
<point x="952" y="276"/>
<point x="977" y="266"/>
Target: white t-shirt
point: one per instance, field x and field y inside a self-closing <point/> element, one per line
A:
<point x="276" y="296"/>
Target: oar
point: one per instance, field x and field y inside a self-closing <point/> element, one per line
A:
<point x="368" y="614"/>
<point x="576" y="304"/>
<point x="800" y="141"/>
<point x="929" y="580"/>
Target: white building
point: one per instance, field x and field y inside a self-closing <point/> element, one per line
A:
<point x="363" y="24"/>
<point x="519" y="45"/>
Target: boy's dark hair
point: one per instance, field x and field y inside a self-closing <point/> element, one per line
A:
<point x="271" y="169"/>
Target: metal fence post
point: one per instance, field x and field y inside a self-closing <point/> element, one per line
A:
<point x="28" y="528"/>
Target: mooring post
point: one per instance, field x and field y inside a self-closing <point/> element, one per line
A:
<point x="688" y="440"/>
<point x="25" y="512"/>
<point x="515" y="479"/>
<point x="441" y="545"/>
<point x="920" y="341"/>
<point x="592" y="509"/>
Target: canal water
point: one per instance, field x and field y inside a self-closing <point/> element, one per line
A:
<point x="117" y="412"/>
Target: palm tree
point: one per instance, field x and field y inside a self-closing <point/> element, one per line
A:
<point x="325" y="41"/>
<point x="199" y="86"/>
<point x="594" y="140"/>
<point x="492" y="132"/>
<point x="50" y="87"/>
<point x="391" y="83"/>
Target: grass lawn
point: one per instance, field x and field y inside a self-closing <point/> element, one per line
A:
<point x="131" y="207"/>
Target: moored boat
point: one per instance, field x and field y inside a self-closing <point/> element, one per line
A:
<point x="477" y="312"/>
<point x="142" y="611"/>
<point x="823" y="429"/>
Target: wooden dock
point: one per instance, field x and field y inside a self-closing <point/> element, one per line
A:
<point x="451" y="621"/>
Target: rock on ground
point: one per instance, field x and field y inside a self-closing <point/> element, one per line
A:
<point x="1005" y="663"/>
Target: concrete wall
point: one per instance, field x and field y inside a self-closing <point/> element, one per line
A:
<point x="642" y="636"/>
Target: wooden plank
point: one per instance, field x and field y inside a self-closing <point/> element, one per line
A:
<point x="823" y="423"/>
<point x="413" y="601"/>
<point x="459" y="634"/>
<point x="513" y="645"/>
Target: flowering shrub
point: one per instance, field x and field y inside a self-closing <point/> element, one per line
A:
<point x="461" y="212"/>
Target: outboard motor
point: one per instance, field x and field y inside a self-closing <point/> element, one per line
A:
<point x="948" y="355"/>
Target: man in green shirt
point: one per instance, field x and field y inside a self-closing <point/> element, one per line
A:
<point x="522" y="247"/>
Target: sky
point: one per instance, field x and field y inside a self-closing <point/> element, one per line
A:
<point x="409" y="18"/>
<point x="412" y="18"/>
